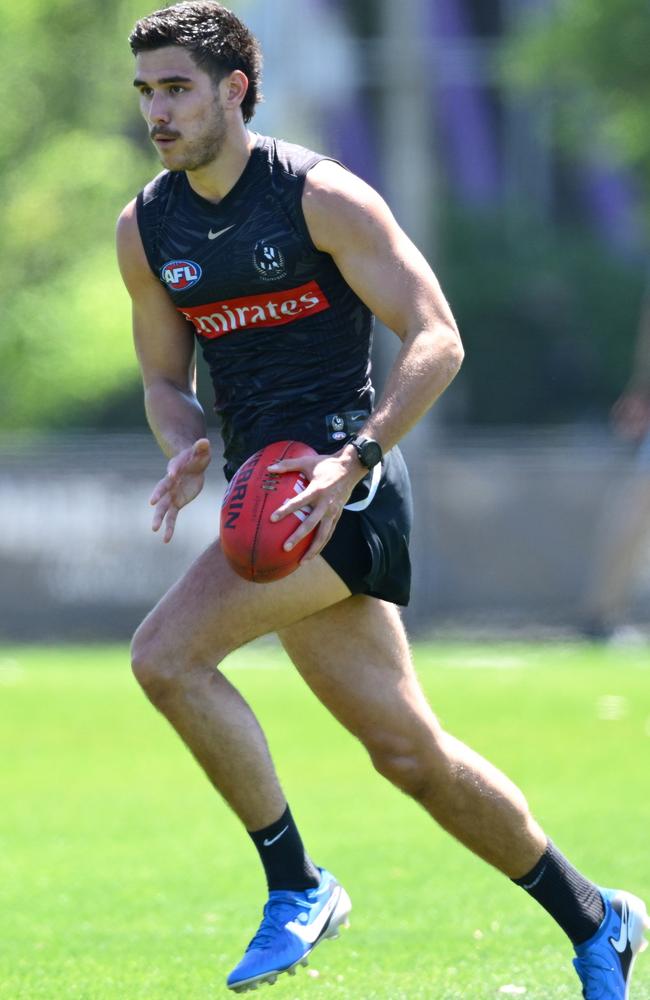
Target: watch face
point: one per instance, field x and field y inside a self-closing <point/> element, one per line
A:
<point x="371" y="454"/>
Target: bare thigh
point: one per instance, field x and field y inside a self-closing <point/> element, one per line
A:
<point x="175" y="652"/>
<point x="356" y="658"/>
<point x="211" y="611"/>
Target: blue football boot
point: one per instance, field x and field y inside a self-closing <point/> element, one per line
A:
<point x="604" y="962"/>
<point x="292" y="925"/>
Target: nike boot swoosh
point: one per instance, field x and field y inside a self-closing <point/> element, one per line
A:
<point x="621" y="944"/>
<point x="311" y="933"/>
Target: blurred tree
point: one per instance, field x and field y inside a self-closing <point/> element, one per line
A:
<point x="74" y="151"/>
<point x="595" y="59"/>
<point x="566" y="306"/>
<point x="68" y="166"/>
<point x="548" y="325"/>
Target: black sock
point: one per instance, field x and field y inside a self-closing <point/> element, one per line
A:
<point x="286" y="863"/>
<point x="571" y="899"/>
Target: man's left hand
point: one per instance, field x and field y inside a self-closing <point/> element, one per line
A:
<point x="331" y="481"/>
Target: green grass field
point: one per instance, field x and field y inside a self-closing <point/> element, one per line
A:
<point x="122" y="877"/>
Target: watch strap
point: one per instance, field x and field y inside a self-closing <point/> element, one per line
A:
<point x="375" y="476"/>
<point x="358" y="442"/>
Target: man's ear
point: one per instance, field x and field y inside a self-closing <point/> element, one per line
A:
<point x="233" y="89"/>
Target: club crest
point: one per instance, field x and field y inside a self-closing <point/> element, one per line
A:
<point x="269" y="261"/>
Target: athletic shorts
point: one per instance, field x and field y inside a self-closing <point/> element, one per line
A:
<point x="369" y="548"/>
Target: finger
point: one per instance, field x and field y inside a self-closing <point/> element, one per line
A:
<point x="200" y="456"/>
<point x="201" y="447"/>
<point x="177" y="465"/>
<point x="170" y="523"/>
<point x="321" y="538"/>
<point x="293" y="505"/>
<point x="197" y="454"/>
<point x="159" y="513"/>
<point x="288" y="465"/>
<point x="159" y="491"/>
<point x="306" y="527"/>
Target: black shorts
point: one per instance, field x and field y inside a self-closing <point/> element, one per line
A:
<point x="369" y="548"/>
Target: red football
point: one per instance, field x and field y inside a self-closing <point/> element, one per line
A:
<point x="251" y="542"/>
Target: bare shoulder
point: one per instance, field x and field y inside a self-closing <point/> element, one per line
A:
<point x="130" y="251"/>
<point x="349" y="220"/>
<point x="330" y="183"/>
<point x="339" y="205"/>
<point x="127" y="226"/>
<point x="164" y="340"/>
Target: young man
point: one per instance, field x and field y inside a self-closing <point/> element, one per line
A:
<point x="623" y="531"/>
<point x="274" y="259"/>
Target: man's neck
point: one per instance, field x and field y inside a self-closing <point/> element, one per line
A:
<point x="216" y="179"/>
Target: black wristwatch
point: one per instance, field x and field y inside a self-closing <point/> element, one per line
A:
<point x="369" y="451"/>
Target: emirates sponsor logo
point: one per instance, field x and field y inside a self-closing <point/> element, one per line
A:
<point x="215" y="319"/>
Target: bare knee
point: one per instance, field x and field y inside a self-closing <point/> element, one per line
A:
<point x="154" y="667"/>
<point x="161" y="663"/>
<point x="412" y="763"/>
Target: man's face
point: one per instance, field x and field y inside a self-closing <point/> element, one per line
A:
<point x="181" y="106"/>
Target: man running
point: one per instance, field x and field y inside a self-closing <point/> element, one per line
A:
<point x="274" y="260"/>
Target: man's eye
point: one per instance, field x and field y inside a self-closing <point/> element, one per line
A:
<point x="176" y="89"/>
<point x="145" y="91"/>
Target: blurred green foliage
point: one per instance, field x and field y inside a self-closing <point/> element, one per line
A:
<point x="70" y="159"/>
<point x="594" y="58"/>
<point x="548" y="320"/>
<point x="575" y="304"/>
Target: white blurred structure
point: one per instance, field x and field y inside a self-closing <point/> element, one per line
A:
<point x="311" y="62"/>
<point x="502" y="535"/>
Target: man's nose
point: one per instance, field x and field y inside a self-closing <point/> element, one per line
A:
<point x="159" y="109"/>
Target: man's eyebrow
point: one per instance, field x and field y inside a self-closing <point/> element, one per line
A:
<point x="163" y="79"/>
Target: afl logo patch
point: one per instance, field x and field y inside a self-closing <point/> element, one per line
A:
<point x="268" y="261"/>
<point x="337" y="424"/>
<point x="180" y="274"/>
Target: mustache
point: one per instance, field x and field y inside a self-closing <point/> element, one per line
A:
<point x="154" y="133"/>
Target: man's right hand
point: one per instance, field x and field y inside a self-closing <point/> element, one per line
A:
<point x="183" y="482"/>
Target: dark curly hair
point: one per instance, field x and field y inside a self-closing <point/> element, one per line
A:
<point x="218" y="40"/>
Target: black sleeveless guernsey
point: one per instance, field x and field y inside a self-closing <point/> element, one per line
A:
<point x="286" y="339"/>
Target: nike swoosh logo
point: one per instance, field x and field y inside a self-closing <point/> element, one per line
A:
<point x="311" y="933"/>
<point x="267" y="842"/>
<point x="213" y="236"/>
<point x="621" y="944"/>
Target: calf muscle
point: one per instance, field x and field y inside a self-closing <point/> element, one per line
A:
<point x="368" y="682"/>
<point x="176" y="651"/>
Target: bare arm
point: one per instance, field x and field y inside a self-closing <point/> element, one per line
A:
<point x="164" y="345"/>
<point x="350" y="221"/>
